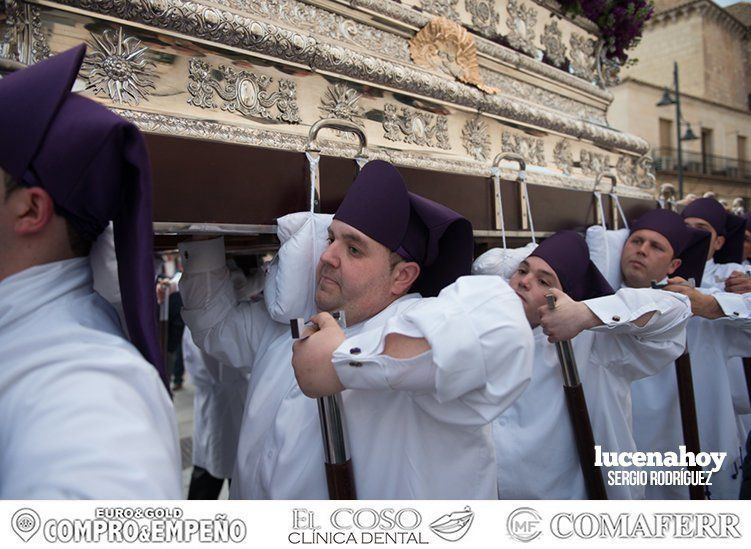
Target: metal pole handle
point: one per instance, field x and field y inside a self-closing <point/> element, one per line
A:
<point x="521" y="177"/>
<point x="313" y="153"/>
<point x="336" y="124"/>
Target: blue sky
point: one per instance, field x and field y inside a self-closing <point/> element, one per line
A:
<point x="726" y="2"/>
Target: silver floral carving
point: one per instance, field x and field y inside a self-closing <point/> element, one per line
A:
<point x="341" y="101"/>
<point x="447" y="8"/>
<point x="206" y="129"/>
<point x="242" y="92"/>
<point x="543" y="98"/>
<point x="476" y="139"/>
<point x="253" y="35"/>
<point x="484" y="16"/>
<point x="530" y="148"/>
<point x="521" y="23"/>
<point x="563" y="157"/>
<point x="552" y="40"/>
<point x="117" y="67"/>
<point x="592" y="163"/>
<point x="582" y="57"/>
<point x="325" y="24"/>
<point x="417" y="127"/>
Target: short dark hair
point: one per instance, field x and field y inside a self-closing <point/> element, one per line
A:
<point x="79" y="244"/>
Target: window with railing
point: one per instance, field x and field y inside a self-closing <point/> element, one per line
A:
<point x="666" y="159"/>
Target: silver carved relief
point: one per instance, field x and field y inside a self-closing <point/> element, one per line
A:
<point x="485" y="18"/>
<point x="521" y="23"/>
<point x="626" y="170"/>
<point x="242" y="92"/>
<point x="419" y="128"/>
<point x="341" y="101"/>
<point x="608" y="70"/>
<point x="593" y="163"/>
<point x="325" y="24"/>
<point x="530" y="148"/>
<point x="552" y="40"/>
<point x="476" y="139"/>
<point x="257" y="36"/>
<point x="645" y="172"/>
<point x="23" y="38"/>
<point x="447" y="8"/>
<point x="117" y="67"/>
<point x="563" y="157"/>
<point x="582" y="57"/>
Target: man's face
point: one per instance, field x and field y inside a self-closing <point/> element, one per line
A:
<point x="532" y="281"/>
<point x="716" y="242"/>
<point x="355" y="274"/>
<point x="747" y="246"/>
<point x="647" y="256"/>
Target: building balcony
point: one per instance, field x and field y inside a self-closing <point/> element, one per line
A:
<point x="666" y="160"/>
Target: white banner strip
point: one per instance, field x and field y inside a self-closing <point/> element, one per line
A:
<point x="272" y="524"/>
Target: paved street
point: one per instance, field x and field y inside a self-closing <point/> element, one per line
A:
<point x="183" y="400"/>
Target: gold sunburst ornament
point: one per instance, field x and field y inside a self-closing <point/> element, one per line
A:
<point x="117" y="67"/>
<point x="446" y="46"/>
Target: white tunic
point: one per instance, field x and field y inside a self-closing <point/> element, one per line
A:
<point x="657" y="419"/>
<point x="418" y="429"/>
<point x="217" y="409"/>
<point x="82" y="414"/>
<point x="537" y="456"/>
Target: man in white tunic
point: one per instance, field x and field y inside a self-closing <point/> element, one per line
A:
<point x="420" y="379"/>
<point x="719" y="397"/>
<point x="661" y="246"/>
<point x="617" y="338"/>
<point x="82" y="412"/>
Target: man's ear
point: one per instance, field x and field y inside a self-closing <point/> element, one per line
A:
<point x="32" y="208"/>
<point x="674" y="264"/>
<point x="719" y="243"/>
<point x="404" y="275"/>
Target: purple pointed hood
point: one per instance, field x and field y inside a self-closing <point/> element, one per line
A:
<point x="730" y="226"/>
<point x="568" y="255"/>
<point x="95" y="167"/>
<point x="690" y="245"/>
<point x="434" y="236"/>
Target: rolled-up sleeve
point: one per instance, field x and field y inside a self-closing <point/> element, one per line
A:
<point x="224" y="328"/>
<point x="480" y="357"/>
<point x="631" y="351"/>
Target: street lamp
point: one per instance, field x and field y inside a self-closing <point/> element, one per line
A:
<point x="667" y="99"/>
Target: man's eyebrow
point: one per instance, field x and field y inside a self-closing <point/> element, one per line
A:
<point x="351" y="237"/>
<point x="543" y="272"/>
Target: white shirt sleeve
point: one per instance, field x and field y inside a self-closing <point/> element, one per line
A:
<point x="480" y="359"/>
<point x="736" y="307"/>
<point x="634" y="352"/>
<point x="224" y="328"/>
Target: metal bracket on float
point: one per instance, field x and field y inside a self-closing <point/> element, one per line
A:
<point x="521" y="178"/>
<point x="313" y="153"/>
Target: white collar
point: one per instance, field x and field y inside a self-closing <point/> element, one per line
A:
<point x="32" y="288"/>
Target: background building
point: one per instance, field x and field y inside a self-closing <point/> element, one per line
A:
<point x="711" y="46"/>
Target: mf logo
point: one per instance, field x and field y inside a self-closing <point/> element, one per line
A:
<point x="524" y="524"/>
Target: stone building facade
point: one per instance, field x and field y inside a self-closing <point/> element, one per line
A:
<point x="712" y="47"/>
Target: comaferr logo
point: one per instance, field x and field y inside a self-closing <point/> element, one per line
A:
<point x="524" y="524"/>
<point x="640" y="525"/>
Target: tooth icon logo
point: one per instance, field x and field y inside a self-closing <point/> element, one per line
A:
<point x="25" y="523"/>
<point x="454" y="526"/>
